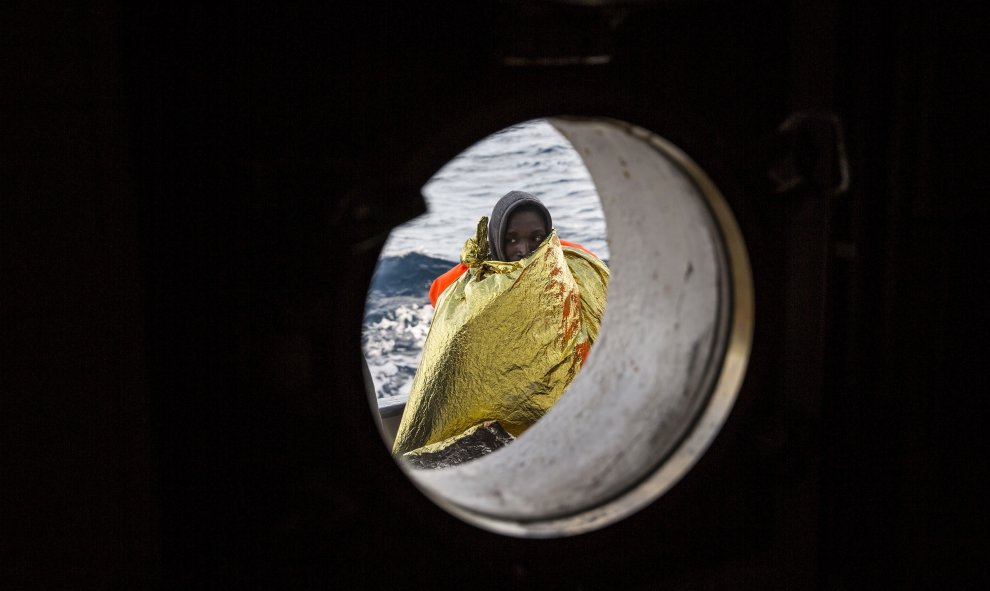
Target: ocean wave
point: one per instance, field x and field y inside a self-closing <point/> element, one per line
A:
<point x="409" y="274"/>
<point x="397" y="318"/>
<point x="393" y="345"/>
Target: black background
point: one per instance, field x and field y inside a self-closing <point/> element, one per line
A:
<point x="194" y="199"/>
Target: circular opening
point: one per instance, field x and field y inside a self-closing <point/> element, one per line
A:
<point x="531" y="156"/>
<point x="669" y="360"/>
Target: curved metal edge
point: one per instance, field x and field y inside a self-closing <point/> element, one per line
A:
<point x="738" y="344"/>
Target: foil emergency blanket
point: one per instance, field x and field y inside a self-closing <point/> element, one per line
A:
<point x="507" y="339"/>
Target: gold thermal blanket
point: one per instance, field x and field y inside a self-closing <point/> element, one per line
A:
<point x="507" y="338"/>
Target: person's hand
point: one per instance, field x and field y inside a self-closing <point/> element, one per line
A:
<point x="476" y="249"/>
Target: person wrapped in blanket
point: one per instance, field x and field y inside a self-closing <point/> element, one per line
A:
<point x="513" y="323"/>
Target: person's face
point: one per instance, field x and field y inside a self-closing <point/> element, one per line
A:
<point x="524" y="232"/>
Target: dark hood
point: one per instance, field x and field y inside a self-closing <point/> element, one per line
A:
<point x="499" y="219"/>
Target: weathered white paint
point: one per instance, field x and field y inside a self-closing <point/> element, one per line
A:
<point x="658" y="383"/>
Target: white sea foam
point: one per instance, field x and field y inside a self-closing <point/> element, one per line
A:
<point x="392" y="347"/>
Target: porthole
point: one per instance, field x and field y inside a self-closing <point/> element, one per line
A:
<point x="668" y="362"/>
<point x="531" y="156"/>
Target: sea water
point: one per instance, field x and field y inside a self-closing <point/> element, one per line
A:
<point x="531" y="157"/>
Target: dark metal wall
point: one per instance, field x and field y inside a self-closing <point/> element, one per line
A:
<point x="194" y="200"/>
